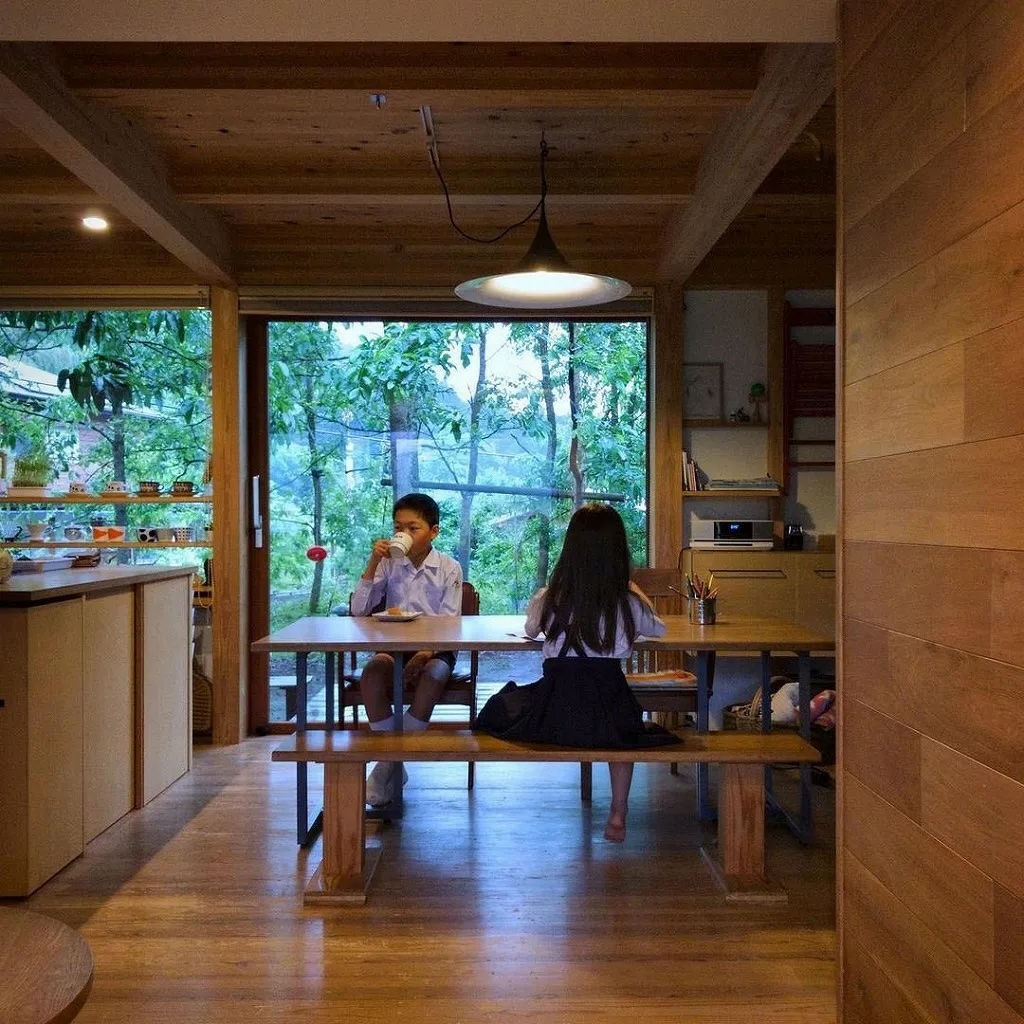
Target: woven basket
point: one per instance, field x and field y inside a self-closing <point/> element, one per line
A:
<point x="744" y="717"/>
<point x="202" y="703"/>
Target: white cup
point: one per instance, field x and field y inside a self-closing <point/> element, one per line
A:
<point x="116" y="486"/>
<point x="398" y="546"/>
<point x="37" y="531"/>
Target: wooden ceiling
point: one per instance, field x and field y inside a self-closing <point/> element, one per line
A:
<point x="283" y="165"/>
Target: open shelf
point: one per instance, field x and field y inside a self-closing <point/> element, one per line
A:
<point x="98" y="499"/>
<point x="95" y="544"/>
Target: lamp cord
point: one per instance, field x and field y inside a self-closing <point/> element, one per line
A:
<point x="436" y="164"/>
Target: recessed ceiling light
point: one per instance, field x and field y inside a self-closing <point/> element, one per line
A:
<point x="94" y="222"/>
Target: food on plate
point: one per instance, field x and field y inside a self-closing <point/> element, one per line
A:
<point x="395" y="610"/>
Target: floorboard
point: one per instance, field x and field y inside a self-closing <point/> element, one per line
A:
<point x="504" y="904"/>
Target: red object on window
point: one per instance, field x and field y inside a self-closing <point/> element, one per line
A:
<point x="316" y="553"/>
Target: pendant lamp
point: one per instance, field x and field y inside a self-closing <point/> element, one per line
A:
<point x="543" y="278"/>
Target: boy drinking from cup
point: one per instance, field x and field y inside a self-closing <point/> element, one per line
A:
<point x="423" y="580"/>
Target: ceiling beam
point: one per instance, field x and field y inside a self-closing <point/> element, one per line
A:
<point x="104" y="152"/>
<point x="796" y="81"/>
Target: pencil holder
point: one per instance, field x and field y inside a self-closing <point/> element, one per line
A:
<point x="702" y="610"/>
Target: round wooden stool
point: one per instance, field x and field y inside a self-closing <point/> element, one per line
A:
<point x="45" y="969"/>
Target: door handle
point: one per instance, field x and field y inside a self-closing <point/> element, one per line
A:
<point x="257" y="518"/>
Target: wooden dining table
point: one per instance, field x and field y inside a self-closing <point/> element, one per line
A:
<point x="335" y="636"/>
<point x="45" y="969"/>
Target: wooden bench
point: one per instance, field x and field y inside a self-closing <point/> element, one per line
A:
<point x="347" y="866"/>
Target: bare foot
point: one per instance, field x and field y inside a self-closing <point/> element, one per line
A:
<point x="615" y="833"/>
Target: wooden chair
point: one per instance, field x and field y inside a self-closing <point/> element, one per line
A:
<point x="461" y="688"/>
<point x="664" y="689"/>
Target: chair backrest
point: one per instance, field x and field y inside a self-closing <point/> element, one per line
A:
<point x="665" y="589"/>
<point x="470" y="599"/>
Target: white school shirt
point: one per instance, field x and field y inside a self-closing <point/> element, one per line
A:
<point x="645" y="620"/>
<point x="434" y="587"/>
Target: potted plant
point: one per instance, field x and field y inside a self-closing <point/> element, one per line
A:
<point x="32" y="468"/>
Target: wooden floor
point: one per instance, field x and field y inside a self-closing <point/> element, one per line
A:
<point x="501" y="905"/>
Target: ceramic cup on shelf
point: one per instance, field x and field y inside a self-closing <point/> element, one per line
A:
<point x="147" y="534"/>
<point x="116" y="487"/>
<point x="74" y="533"/>
<point x="165" y="533"/>
<point x="76" y="487"/>
<point x="37" y="530"/>
<point x="149" y="487"/>
<point x="115" y="533"/>
<point x="182" y="488"/>
<point x="100" y="532"/>
<point x="183" y="534"/>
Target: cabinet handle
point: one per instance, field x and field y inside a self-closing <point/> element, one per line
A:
<point x="749" y="574"/>
<point x="825" y="574"/>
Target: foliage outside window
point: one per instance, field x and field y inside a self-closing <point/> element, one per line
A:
<point x="110" y="395"/>
<point x="509" y="426"/>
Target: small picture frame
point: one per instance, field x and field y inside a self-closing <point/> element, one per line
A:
<point x="702" y="394"/>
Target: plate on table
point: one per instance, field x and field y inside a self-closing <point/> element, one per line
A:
<point x="396" y="616"/>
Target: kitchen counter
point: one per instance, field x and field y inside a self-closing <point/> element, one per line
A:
<point x="31" y="588"/>
<point x="95" y="707"/>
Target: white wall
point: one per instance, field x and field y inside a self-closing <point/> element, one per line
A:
<point x="731" y="328"/>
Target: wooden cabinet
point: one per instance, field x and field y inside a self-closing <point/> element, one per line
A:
<point x="816" y="591"/>
<point x="794" y="585"/>
<point x="41" y="811"/>
<point x="95" y="708"/>
<point x="108" y="714"/>
<point x="165" y="690"/>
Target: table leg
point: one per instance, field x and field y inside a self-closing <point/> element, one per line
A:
<point x="329" y="680"/>
<point x="766" y="711"/>
<point x="806" y="769"/>
<point x="801" y="825"/>
<point x="705" y="683"/>
<point x="347" y="866"/>
<point x="398" y="686"/>
<point x="305" y="833"/>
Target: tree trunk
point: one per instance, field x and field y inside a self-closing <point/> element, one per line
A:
<point x="405" y="458"/>
<point x="551" y="452"/>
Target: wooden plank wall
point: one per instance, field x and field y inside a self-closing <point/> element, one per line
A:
<point x="931" y="887"/>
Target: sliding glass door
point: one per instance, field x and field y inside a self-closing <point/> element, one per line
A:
<point x="508" y="426"/>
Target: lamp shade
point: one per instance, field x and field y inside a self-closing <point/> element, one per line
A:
<point x="543" y="280"/>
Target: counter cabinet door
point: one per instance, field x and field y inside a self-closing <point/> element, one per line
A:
<point x="108" y="715"/>
<point x="164" y="689"/>
<point x="816" y="593"/>
<point x="749" y="582"/>
<point x="40" y="743"/>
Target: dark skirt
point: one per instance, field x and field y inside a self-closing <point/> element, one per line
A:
<point x="579" y="702"/>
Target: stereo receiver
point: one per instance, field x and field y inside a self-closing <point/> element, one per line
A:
<point x="749" y="534"/>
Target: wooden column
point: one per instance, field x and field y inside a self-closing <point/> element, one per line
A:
<point x="666" y="427"/>
<point x="230" y="522"/>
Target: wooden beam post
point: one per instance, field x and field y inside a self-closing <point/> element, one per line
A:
<point x="796" y="80"/>
<point x="230" y="523"/>
<point x="666" y="428"/>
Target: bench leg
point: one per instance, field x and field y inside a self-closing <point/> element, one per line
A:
<point x="347" y="867"/>
<point x="739" y="864"/>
